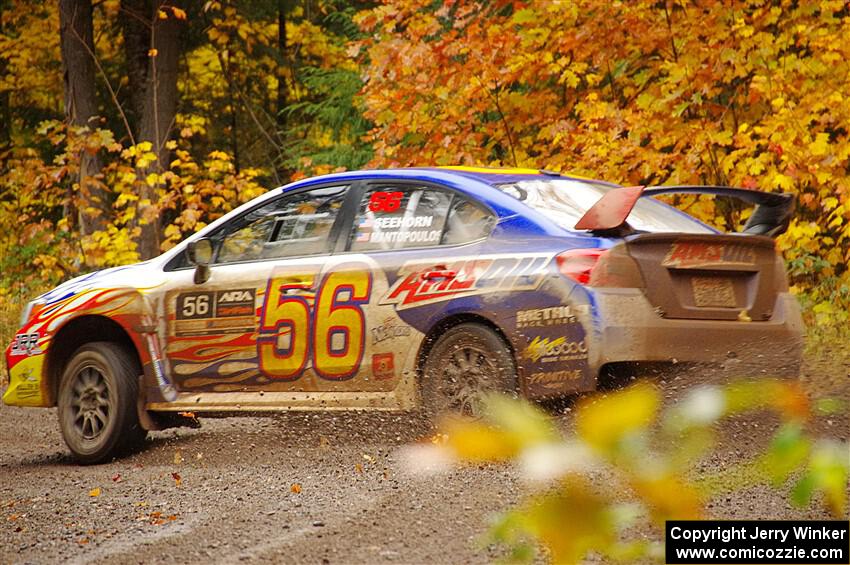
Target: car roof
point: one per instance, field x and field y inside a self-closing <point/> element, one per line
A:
<point x="489" y="175"/>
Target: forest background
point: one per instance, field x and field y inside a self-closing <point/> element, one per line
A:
<point x="126" y="125"/>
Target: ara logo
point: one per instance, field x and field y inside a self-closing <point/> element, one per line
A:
<point x="425" y="283"/>
<point x="230" y="296"/>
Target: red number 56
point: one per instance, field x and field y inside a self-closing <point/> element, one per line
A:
<point x="385" y="201"/>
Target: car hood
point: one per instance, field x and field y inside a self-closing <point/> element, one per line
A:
<point x="139" y="275"/>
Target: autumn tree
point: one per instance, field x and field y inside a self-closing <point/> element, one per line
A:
<point x="751" y="94"/>
<point x="5" y="109"/>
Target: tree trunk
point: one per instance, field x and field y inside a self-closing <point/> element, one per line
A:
<point x="281" y="67"/>
<point x="159" y="109"/>
<point x="5" y="111"/>
<point x="75" y="32"/>
<point x="136" y="31"/>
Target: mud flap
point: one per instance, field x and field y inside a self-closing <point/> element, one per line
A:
<point x="145" y="418"/>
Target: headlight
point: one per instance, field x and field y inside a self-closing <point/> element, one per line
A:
<point x="31" y="309"/>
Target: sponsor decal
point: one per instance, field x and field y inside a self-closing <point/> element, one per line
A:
<point x="539" y="317"/>
<point x="554" y="379"/>
<point x="558" y="349"/>
<point x="428" y="236"/>
<point x="215" y="312"/>
<point x="364" y="230"/>
<point x="26" y="344"/>
<point x="690" y="254"/>
<point x="383" y="366"/>
<point x="220" y="304"/>
<point x="395" y="222"/>
<point x="28" y="386"/>
<point x="464" y="278"/>
<point x="389" y="330"/>
<point x="167" y="389"/>
<point x="385" y="201"/>
<point x="397" y="229"/>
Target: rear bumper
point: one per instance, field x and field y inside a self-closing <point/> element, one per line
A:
<point x="626" y="328"/>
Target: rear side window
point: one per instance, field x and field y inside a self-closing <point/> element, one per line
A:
<point x="565" y="201"/>
<point x="403" y="217"/>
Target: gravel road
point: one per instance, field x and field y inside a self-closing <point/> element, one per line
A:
<point x="294" y="488"/>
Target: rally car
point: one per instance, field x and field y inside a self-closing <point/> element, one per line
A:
<point x="399" y="289"/>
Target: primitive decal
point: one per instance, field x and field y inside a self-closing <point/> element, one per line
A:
<point x="690" y="254"/>
<point x="466" y="277"/>
<point x="555" y="379"/>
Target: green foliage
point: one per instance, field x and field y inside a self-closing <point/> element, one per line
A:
<point x="331" y="138"/>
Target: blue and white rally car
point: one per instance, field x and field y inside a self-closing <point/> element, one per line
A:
<point x="402" y="288"/>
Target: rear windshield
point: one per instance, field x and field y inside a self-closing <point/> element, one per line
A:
<point x="565" y="201"/>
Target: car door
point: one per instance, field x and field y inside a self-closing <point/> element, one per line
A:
<point x="409" y="235"/>
<point x="251" y="326"/>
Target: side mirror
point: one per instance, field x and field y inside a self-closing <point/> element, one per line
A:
<point x="200" y="254"/>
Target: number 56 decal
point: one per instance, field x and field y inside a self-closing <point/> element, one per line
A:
<point x="330" y="328"/>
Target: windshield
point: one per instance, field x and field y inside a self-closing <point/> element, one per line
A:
<point x="565" y="201"/>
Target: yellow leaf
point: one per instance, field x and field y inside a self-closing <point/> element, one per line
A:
<point x="604" y="422"/>
<point x="178" y="13"/>
<point x="296" y="488"/>
<point x="161" y="14"/>
<point x="152" y="52"/>
<point x="474" y="441"/>
<point x="820" y="146"/>
<point x="669" y="498"/>
<point x="94" y="492"/>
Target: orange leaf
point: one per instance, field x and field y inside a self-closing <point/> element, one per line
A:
<point x="296" y="488"/>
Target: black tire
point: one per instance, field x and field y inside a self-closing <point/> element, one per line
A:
<point x="465" y="363"/>
<point x="97" y="403"/>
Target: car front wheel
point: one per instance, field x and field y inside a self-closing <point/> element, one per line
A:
<point x="466" y="363"/>
<point x="97" y="403"/>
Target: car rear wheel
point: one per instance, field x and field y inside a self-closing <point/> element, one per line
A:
<point x="465" y="364"/>
<point x="97" y="403"/>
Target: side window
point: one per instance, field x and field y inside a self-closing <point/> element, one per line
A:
<point x="467" y="222"/>
<point x="289" y="226"/>
<point x="400" y="217"/>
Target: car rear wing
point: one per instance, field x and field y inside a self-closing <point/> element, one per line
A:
<point x="771" y="217"/>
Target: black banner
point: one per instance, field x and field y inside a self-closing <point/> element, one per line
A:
<point x="757" y="541"/>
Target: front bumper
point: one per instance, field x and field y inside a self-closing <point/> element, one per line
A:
<point x="627" y="328"/>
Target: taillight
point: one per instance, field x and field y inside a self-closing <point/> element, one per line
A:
<point x="577" y="263"/>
